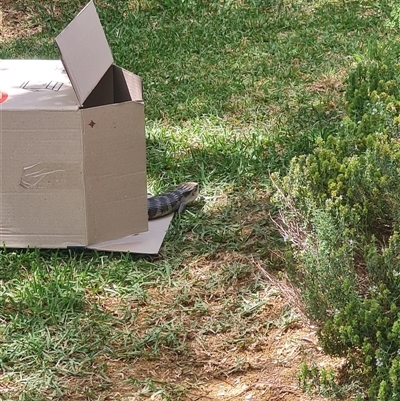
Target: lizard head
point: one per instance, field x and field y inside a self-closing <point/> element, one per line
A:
<point x="189" y="190"/>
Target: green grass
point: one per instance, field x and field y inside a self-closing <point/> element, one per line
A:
<point x="233" y="90"/>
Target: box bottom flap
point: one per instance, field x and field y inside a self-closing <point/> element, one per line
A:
<point x="148" y="242"/>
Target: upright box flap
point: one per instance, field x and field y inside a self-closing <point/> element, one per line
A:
<point x="84" y="51"/>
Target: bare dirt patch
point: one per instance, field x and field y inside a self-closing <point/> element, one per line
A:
<point x="15" y="21"/>
<point x="219" y="349"/>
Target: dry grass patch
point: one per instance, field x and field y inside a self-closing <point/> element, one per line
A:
<point x="15" y="22"/>
<point x="329" y="83"/>
<point x="231" y="338"/>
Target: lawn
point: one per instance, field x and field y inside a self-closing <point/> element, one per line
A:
<point x="234" y="89"/>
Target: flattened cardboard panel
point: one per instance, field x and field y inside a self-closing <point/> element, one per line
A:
<point x="115" y="171"/>
<point x="84" y="51"/>
<point x="127" y="86"/>
<point x="42" y="201"/>
<point x="144" y="243"/>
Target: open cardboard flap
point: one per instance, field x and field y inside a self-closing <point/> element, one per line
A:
<point x="148" y="242"/>
<point x="87" y="62"/>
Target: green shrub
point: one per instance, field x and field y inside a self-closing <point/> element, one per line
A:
<point x="319" y="380"/>
<point x="340" y="209"/>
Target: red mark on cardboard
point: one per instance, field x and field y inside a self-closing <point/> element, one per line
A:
<point x="92" y="123"/>
<point x="3" y="96"/>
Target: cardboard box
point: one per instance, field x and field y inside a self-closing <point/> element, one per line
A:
<point x="73" y="152"/>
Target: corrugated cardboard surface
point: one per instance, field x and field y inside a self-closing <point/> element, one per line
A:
<point x="84" y="51"/>
<point x="114" y="167"/>
<point x="42" y="186"/>
<point x="127" y="84"/>
<point x="74" y="176"/>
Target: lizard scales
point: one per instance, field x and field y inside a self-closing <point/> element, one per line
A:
<point x="172" y="201"/>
